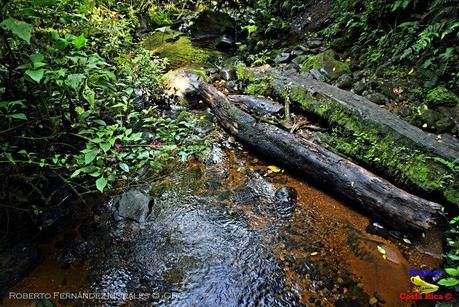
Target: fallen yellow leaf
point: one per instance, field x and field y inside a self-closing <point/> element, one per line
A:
<point x="273" y="169"/>
<point x="382" y="251"/>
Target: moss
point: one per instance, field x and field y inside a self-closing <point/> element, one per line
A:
<point x="178" y="49"/>
<point x="327" y="61"/>
<point x="256" y="88"/>
<point x="381" y="150"/>
<point x="441" y="96"/>
<point x="200" y="72"/>
<point x="452" y="195"/>
<point x="253" y="85"/>
<point x="243" y="74"/>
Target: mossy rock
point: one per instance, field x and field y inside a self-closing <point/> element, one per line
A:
<point x="442" y="96"/>
<point x="253" y="85"/>
<point x="178" y="49"/>
<point x="177" y="82"/>
<point x="327" y="61"/>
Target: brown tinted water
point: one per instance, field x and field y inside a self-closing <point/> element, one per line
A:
<point x="227" y="248"/>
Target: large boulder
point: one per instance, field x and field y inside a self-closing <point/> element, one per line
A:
<point x="132" y="205"/>
<point x="211" y="23"/>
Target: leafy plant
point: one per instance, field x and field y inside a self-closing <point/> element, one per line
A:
<point x="79" y="100"/>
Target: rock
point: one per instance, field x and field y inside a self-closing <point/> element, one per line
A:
<point x="314" y="43"/>
<point x="225" y="43"/>
<point x="210" y="22"/>
<point x="359" y="74"/>
<point x="132" y="205"/>
<point x="344" y="82"/>
<point x="232" y="86"/>
<point x="445" y="120"/>
<point x="326" y="60"/>
<point x="228" y="74"/>
<point x="216" y="156"/>
<point x="403" y="110"/>
<point x="298" y="61"/>
<point x="257" y="104"/>
<point x="260" y="186"/>
<point x="359" y="87"/>
<point x="442" y="96"/>
<point x="317" y="74"/>
<point x="377" y="98"/>
<point x="180" y="83"/>
<point x="297" y="52"/>
<point x="282" y="58"/>
<point x="15" y="262"/>
<point x="302" y="48"/>
<point x="285" y="201"/>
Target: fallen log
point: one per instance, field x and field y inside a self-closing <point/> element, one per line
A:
<point x="257" y="104"/>
<point x="377" y="196"/>
<point x="363" y="131"/>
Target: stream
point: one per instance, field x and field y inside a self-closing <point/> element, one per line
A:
<point x="215" y="237"/>
<point x="231" y="230"/>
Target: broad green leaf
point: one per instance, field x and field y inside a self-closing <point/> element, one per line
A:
<point x="89" y="157"/>
<point x="18" y="116"/>
<point x="89" y="95"/>
<point x="448" y="282"/>
<point x="105" y="146"/>
<point x="37" y="58"/>
<point x="124" y="167"/>
<point x="452" y="272"/>
<point x="35" y="75"/>
<point x="101" y="183"/>
<point x="75" y="81"/>
<point x="79" y="41"/>
<point x="20" y="28"/>
<point x="100" y="122"/>
<point x="75" y="173"/>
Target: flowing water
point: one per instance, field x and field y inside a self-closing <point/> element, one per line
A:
<point x="213" y="237"/>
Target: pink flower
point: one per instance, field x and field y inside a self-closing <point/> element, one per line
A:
<point x="155" y="144"/>
<point x="117" y="146"/>
<point x="112" y="159"/>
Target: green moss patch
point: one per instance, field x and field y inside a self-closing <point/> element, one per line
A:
<point x="326" y="60"/>
<point x="253" y="85"/>
<point x="441" y="96"/>
<point x="178" y="49"/>
<point x="383" y="151"/>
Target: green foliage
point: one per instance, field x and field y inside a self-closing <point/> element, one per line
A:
<point x="22" y="29"/>
<point x="441" y="96"/>
<point x="78" y="97"/>
<point x="452" y="255"/>
<point x="402" y="32"/>
<point x="326" y="60"/>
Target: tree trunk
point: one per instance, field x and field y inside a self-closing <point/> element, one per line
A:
<point x="416" y="160"/>
<point x="377" y="196"/>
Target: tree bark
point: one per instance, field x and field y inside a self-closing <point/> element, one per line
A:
<point x="283" y="81"/>
<point x="375" y="195"/>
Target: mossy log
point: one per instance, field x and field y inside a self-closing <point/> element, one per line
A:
<point x="377" y="196"/>
<point x="421" y="162"/>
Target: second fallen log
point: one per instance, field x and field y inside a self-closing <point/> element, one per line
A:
<point x="377" y="196"/>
